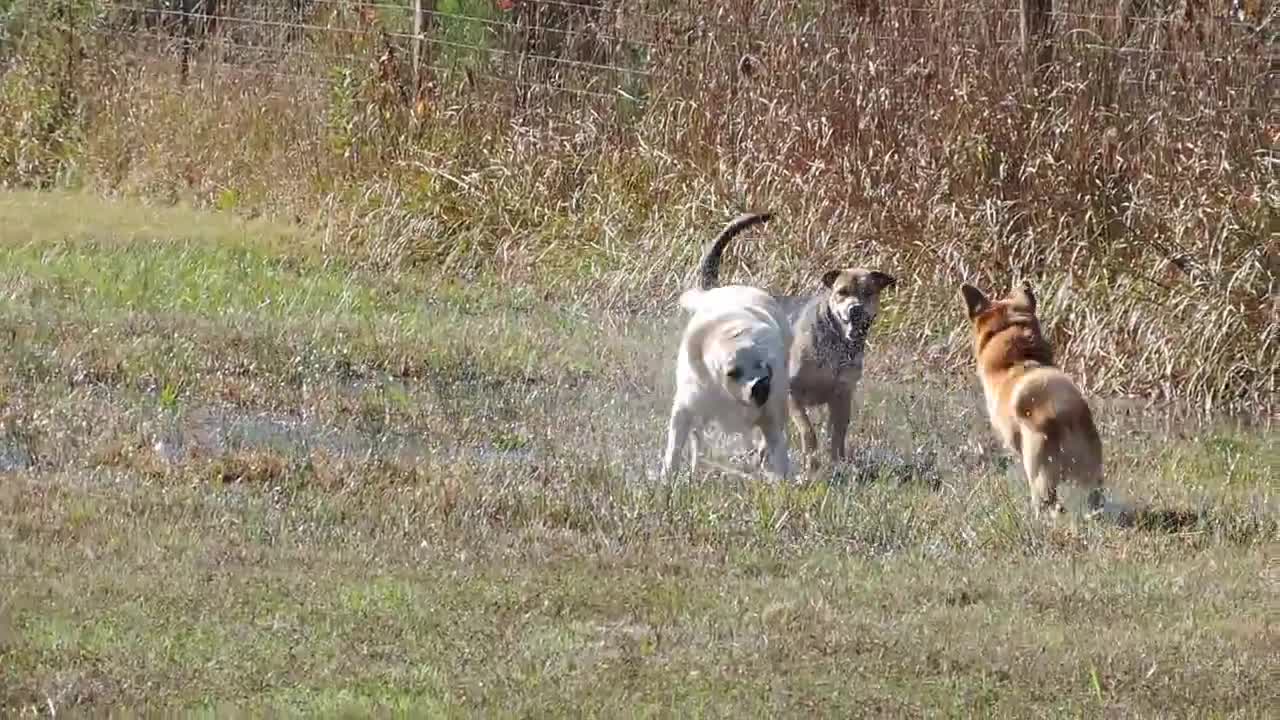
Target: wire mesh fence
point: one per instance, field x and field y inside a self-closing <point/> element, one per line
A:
<point x="607" y="50"/>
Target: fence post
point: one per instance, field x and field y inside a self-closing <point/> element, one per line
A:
<point x="1036" y="51"/>
<point x="1124" y="15"/>
<point x="419" y="26"/>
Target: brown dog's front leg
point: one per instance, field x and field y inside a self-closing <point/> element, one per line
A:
<point x="840" y="411"/>
<point x="808" y="438"/>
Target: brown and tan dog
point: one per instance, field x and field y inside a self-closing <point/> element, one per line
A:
<point x="831" y="328"/>
<point x="1035" y="408"/>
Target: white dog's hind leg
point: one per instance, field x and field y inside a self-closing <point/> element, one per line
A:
<point x="677" y="433"/>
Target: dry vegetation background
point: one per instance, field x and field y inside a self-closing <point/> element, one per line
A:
<point x="592" y="147"/>
<point x="595" y="146"/>
<point x="329" y="387"/>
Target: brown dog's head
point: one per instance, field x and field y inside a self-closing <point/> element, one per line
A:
<point x="1008" y="328"/>
<point x="854" y="298"/>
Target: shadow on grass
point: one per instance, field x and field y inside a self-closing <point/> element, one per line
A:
<point x="868" y="465"/>
<point x="864" y="466"/>
<point x="1163" y="520"/>
<point x="1236" y="526"/>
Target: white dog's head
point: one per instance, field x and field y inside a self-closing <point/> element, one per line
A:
<point x="740" y="363"/>
<point x="740" y="338"/>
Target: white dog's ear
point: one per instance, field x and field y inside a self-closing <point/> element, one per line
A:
<point x="1024" y="297"/>
<point x="829" y="277"/>
<point x="974" y="300"/>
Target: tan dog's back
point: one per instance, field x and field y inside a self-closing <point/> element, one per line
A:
<point x="1035" y="408"/>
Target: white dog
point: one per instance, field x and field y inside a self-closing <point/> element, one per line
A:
<point x="732" y="368"/>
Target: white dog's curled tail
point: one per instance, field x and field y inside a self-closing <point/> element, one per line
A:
<point x="709" y="266"/>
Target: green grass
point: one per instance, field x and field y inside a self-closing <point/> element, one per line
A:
<point x="240" y="475"/>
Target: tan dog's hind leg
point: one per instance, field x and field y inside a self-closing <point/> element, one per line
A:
<point x="1093" y="494"/>
<point x="1042" y="476"/>
<point x="1083" y="456"/>
<point x="808" y="438"/>
<point x="1093" y="502"/>
<point x="839" y="413"/>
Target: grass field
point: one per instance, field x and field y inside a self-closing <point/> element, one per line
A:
<point x="239" y="475"/>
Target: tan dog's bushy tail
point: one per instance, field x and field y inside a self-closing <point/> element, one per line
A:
<point x="1050" y="403"/>
<point x="709" y="268"/>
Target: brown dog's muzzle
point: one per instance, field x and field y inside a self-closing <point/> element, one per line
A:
<point x="859" y="322"/>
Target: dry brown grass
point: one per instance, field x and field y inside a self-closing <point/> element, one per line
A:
<point x="1135" y="184"/>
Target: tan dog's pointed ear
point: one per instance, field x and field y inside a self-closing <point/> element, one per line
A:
<point x="829" y="277"/>
<point x="974" y="300"/>
<point x="1023" y="297"/>
<point x="880" y="281"/>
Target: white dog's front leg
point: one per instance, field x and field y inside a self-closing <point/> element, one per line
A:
<point x="760" y="452"/>
<point x="775" y="440"/>
<point x="677" y="432"/>
<point x="696" y="447"/>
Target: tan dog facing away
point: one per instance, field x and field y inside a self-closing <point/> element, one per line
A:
<point x="732" y="367"/>
<point x="831" y="328"/>
<point x="1035" y="408"/>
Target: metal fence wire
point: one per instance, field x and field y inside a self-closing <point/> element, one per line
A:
<point x="607" y="49"/>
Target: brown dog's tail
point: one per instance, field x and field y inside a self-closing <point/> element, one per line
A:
<point x="709" y="268"/>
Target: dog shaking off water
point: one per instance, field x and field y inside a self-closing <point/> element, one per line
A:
<point x="1035" y="409"/>
<point x="732" y="366"/>
<point x="831" y="328"/>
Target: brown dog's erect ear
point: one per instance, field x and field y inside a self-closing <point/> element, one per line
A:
<point x="1023" y="297"/>
<point x="974" y="300"/>
<point x="829" y="277"/>
<point x="881" y="280"/>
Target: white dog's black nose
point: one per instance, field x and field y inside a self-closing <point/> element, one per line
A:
<point x="760" y="391"/>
